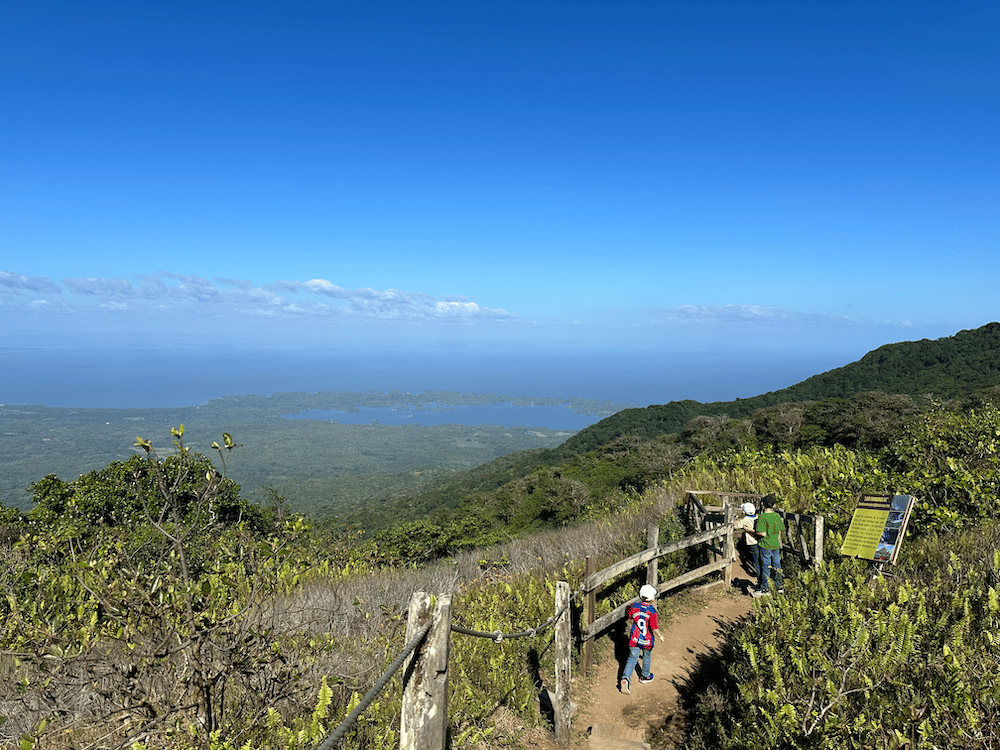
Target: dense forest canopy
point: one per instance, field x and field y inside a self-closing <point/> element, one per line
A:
<point x="945" y="368"/>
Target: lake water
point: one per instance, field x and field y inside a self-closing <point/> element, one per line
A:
<point x="501" y="414"/>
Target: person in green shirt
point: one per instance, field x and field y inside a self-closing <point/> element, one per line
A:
<point x="768" y="528"/>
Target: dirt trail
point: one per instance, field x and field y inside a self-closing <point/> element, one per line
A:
<point x="693" y="632"/>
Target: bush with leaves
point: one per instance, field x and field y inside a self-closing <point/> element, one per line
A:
<point x="848" y="661"/>
<point x="133" y="605"/>
<point x="951" y="461"/>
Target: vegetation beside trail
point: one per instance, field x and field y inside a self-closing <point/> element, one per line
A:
<point x="845" y="660"/>
<point x="149" y="605"/>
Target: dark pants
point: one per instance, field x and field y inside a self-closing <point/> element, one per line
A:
<point x="770" y="565"/>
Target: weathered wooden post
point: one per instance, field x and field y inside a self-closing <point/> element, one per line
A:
<point x="730" y="546"/>
<point x="818" y="555"/>
<point x="564" y="659"/>
<point x="693" y="515"/>
<point x="652" y="542"/>
<point x="588" y="616"/>
<point x="806" y="556"/>
<point x="424" y="718"/>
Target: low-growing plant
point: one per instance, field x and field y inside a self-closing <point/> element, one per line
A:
<point x="848" y="659"/>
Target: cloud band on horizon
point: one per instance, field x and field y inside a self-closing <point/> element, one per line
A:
<point x="323" y="299"/>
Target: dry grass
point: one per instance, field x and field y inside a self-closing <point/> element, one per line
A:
<point x="345" y="607"/>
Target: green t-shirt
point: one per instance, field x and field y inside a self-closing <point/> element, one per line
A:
<point x="772" y="524"/>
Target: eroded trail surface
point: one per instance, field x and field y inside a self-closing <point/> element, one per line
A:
<point x="687" y="637"/>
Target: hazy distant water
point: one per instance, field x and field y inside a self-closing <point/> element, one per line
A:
<point x="143" y="377"/>
<point x="501" y="414"/>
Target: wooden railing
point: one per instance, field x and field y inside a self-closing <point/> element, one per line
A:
<point x="424" y="719"/>
<point x="797" y="525"/>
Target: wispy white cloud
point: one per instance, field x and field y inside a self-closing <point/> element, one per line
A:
<point x="166" y="291"/>
<point x="241" y="283"/>
<point x="116" y="288"/>
<point x="394" y="304"/>
<point x="13" y="283"/>
<point x="756" y="315"/>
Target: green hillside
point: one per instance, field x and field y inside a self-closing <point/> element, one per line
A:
<point x="952" y="367"/>
<point x="864" y="405"/>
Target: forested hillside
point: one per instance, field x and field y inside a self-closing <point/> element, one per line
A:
<point x="865" y="405"/>
<point x="952" y="367"/>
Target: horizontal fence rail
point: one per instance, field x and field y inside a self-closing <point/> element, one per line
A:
<point x="596" y="580"/>
<point x="796" y="524"/>
<point x="423" y="723"/>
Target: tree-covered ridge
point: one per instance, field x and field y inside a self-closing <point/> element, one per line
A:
<point x="947" y="453"/>
<point x="952" y="367"/>
<point x="867" y="405"/>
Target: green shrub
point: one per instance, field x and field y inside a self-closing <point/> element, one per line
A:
<point x="845" y="660"/>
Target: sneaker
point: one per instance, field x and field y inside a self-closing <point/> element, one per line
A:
<point x="781" y="591"/>
<point x="759" y="594"/>
<point x="647" y="678"/>
<point x="623" y="686"/>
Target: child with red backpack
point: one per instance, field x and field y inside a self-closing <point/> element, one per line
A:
<point x="643" y="625"/>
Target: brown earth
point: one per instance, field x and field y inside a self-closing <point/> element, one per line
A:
<point x="690" y="635"/>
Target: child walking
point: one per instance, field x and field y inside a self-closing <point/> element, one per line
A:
<point x="642" y="617"/>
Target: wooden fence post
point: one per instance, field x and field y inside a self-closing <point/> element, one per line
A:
<point x="818" y="543"/>
<point x="564" y="658"/>
<point x="730" y="546"/>
<point x="652" y="542"/>
<point x="802" y="539"/>
<point x="590" y="607"/>
<point x="424" y="718"/>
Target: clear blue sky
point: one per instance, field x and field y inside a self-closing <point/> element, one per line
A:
<point x="668" y="175"/>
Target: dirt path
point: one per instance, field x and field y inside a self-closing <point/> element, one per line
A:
<point x="689" y="634"/>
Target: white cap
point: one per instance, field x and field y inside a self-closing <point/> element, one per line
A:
<point x="647" y="592"/>
<point x="749" y="509"/>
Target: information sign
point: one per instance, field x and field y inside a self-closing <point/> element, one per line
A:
<point x="877" y="527"/>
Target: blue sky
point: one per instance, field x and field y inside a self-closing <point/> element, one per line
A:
<point x="669" y="176"/>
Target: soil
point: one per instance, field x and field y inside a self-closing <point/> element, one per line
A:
<point x="688" y="638"/>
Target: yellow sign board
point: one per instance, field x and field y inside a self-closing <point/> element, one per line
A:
<point x="877" y="527"/>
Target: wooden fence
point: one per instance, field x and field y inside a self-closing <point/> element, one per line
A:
<point x="797" y="525"/>
<point x="424" y="719"/>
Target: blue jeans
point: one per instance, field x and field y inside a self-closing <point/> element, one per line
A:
<point x="633" y="659"/>
<point x="753" y="559"/>
<point x="770" y="562"/>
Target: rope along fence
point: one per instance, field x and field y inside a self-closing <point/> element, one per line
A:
<point x="424" y="722"/>
<point x="497" y="636"/>
<point x="338" y="734"/>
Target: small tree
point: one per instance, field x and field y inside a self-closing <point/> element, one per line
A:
<point x="140" y="608"/>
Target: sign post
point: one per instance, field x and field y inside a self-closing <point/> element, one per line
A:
<point x="877" y="528"/>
